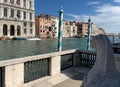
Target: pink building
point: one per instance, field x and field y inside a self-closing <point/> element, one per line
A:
<point x="43" y="26"/>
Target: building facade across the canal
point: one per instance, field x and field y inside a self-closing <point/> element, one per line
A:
<point x="47" y="27"/>
<point x="17" y="18"/>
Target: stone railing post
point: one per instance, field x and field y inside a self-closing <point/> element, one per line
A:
<point x="55" y="65"/>
<point x="117" y="62"/>
<point x="14" y="75"/>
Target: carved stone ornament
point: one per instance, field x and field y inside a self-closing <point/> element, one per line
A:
<point x="103" y="73"/>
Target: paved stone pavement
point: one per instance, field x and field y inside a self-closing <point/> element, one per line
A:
<point x="75" y="81"/>
<point x="71" y="77"/>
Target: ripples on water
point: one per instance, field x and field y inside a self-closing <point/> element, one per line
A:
<point x="22" y="48"/>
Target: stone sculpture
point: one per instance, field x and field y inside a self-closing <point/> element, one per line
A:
<point x="103" y="73"/>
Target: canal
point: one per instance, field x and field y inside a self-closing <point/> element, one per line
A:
<point x="15" y="49"/>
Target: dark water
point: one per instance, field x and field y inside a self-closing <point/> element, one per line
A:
<point x="16" y="49"/>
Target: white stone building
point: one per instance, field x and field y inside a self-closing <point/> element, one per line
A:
<point x="69" y="29"/>
<point x="54" y="25"/>
<point x="95" y="30"/>
<point x="17" y="18"/>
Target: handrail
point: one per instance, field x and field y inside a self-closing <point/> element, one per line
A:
<point x="36" y="57"/>
<point x="41" y="56"/>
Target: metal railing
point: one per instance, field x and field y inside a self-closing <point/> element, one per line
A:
<point x="2" y="76"/>
<point x="116" y="49"/>
<point x="36" y="69"/>
<point x="87" y="58"/>
<point x="30" y="68"/>
<point x="66" y="61"/>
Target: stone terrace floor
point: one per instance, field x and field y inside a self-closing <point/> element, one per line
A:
<point x="71" y="77"/>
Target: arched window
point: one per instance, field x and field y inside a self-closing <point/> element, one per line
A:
<point x="12" y="1"/>
<point x="18" y="2"/>
<point x="12" y="30"/>
<point x="18" y="30"/>
<point x="4" y="30"/>
<point x="12" y="13"/>
<point x="5" y="12"/>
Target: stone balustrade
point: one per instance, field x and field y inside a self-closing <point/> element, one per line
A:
<point x="23" y="71"/>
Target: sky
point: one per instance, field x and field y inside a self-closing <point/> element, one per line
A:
<point x="103" y="13"/>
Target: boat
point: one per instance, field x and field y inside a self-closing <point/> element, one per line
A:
<point x="19" y="38"/>
<point x="33" y="38"/>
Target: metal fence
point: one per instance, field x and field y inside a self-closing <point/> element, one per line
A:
<point x="116" y="49"/>
<point x="2" y="76"/>
<point x="36" y="69"/>
<point x="66" y="61"/>
<point x="87" y="59"/>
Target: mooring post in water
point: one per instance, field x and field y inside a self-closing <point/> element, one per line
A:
<point x="60" y="29"/>
<point x="113" y="38"/>
<point x="89" y="31"/>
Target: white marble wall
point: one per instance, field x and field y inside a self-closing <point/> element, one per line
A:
<point x="14" y="75"/>
<point x="55" y="65"/>
<point x="15" y="21"/>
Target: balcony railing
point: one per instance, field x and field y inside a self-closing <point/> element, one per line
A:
<point x="66" y="61"/>
<point x="87" y="59"/>
<point x="36" y="69"/>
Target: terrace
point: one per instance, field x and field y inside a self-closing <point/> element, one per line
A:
<point x="58" y="69"/>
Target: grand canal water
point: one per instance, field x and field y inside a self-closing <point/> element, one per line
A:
<point x="22" y="48"/>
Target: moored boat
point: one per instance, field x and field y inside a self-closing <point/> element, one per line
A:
<point x="19" y="38"/>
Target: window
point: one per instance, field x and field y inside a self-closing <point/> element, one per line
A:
<point x="18" y="13"/>
<point x="30" y="4"/>
<point x="5" y="12"/>
<point x="18" y="30"/>
<point x="18" y="2"/>
<point x="5" y="0"/>
<point x="30" y="24"/>
<point x="24" y="3"/>
<point x="25" y="31"/>
<point x="5" y="30"/>
<point x="12" y="13"/>
<point x="31" y="31"/>
<point x="25" y="24"/>
<point x="24" y="15"/>
<point x="12" y="1"/>
<point x="30" y="16"/>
